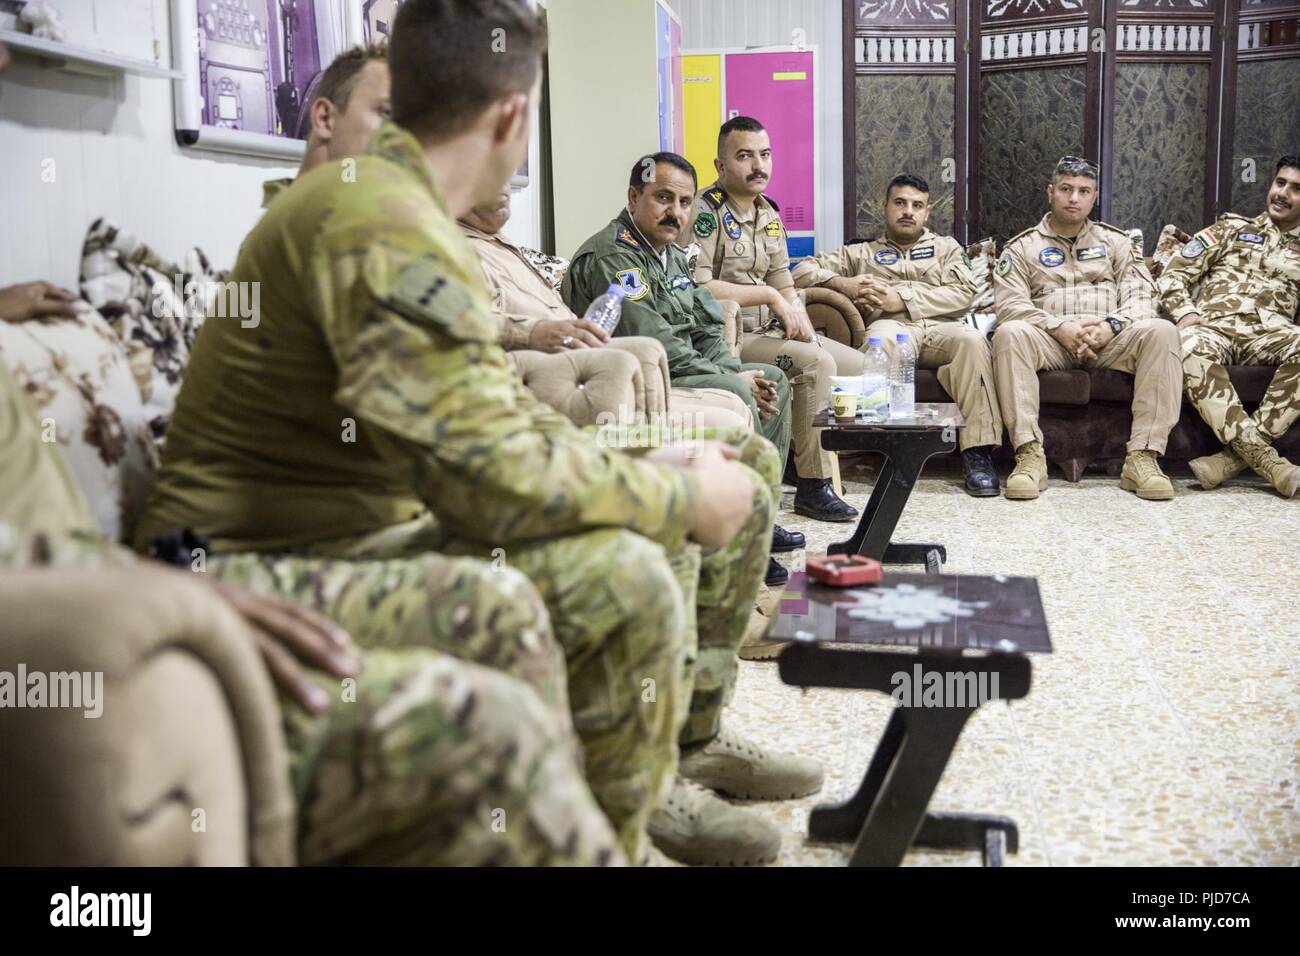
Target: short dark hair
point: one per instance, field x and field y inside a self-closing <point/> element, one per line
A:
<point x="737" y="124"/>
<point x="451" y="59"/>
<point x="340" y="77"/>
<point x="646" y="164"/>
<point x="1075" y="166"/>
<point x="907" y="179"/>
<point x="1289" y="161"/>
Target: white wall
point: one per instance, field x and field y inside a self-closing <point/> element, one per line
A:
<point x="114" y="155"/>
<point x="753" y="23"/>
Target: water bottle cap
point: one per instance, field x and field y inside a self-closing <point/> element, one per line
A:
<point x="872" y="341"/>
<point x="616" y="290"/>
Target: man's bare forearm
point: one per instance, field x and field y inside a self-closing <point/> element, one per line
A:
<point x="745" y="295"/>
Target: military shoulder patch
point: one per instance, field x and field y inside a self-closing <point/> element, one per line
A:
<point x="625" y="238"/>
<point x="715" y="197"/>
<point x="1251" y="237"/>
<point x="423" y="292"/>
<point x="885" y="257"/>
<point x="1051" y="257"/>
<point x="773" y="229"/>
<point x="679" y="282"/>
<point x="633" y="283"/>
<point x="1092" y="252"/>
<point x="705" y="225"/>
<point x="730" y="225"/>
<point x="1192" y="249"/>
<point x="1004" y="264"/>
<point x="926" y="253"/>
<point x="1207" y="238"/>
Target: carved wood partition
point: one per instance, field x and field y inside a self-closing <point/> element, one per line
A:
<point x="1184" y="103"/>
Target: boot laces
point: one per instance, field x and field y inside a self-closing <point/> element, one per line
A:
<point x="1143" y="466"/>
<point x="1026" y="456"/>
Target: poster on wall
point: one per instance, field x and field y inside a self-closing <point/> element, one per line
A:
<point x="251" y="69"/>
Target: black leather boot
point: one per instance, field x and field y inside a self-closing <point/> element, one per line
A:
<point x="776" y="575"/>
<point x="783" y="540"/>
<point x="815" y="498"/>
<point x="981" y="476"/>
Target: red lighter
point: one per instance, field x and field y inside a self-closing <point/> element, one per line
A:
<point x="843" y="570"/>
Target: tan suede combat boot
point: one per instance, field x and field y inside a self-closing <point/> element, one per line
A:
<point x="735" y="767"/>
<point x="1029" y="477"/>
<point x="695" y="826"/>
<point x="1141" y="474"/>
<point x="1281" y="474"/>
<point x="756" y="645"/>
<point x="1213" y="470"/>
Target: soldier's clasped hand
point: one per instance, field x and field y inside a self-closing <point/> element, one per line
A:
<point x="560" y="335"/>
<point x="1071" y="335"/>
<point x="36" y="300"/>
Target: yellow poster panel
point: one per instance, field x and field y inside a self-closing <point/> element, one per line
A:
<point x="702" y="111"/>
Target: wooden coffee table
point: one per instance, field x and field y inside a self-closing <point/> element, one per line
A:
<point x="906" y="444"/>
<point x="971" y="635"/>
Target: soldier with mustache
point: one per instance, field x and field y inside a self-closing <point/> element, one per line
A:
<point x="1245" y="310"/>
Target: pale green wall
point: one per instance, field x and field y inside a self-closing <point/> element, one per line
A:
<point x="604" y="108"/>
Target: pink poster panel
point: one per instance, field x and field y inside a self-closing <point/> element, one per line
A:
<point x="777" y="90"/>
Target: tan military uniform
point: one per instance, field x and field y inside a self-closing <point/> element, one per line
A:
<point x="1043" y="280"/>
<point x="933" y="278"/>
<point x="1249" y="275"/>
<point x="522" y="297"/>
<point x="748" y="248"/>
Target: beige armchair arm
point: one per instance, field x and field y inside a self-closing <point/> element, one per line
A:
<point x="835" y="316"/>
<point x="189" y="722"/>
<point x="583" y="383"/>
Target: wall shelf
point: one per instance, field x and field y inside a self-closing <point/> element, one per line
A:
<point x="75" y="59"/>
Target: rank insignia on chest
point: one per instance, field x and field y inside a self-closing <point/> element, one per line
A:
<point x="885" y="257"/>
<point x="705" y="225"/>
<point x="926" y="253"/>
<point x="625" y="238"/>
<point x="1092" y="252"/>
<point x="677" y="283"/>
<point x="1252" y="237"/>
<point x="773" y="229"/>
<point x="633" y="283"/>
<point x="730" y="225"/>
<point x="1051" y="257"/>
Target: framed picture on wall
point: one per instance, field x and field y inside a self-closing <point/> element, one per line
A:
<point x="251" y="69"/>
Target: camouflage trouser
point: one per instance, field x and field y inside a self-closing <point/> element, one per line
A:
<point x="1207" y="349"/>
<point x="430" y="759"/>
<point x="426" y="759"/>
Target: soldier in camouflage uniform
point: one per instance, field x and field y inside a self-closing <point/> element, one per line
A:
<point x="427" y="759"/>
<point x="371" y="415"/>
<point x="1245" y="312"/>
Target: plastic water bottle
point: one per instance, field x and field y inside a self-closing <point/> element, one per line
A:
<point x="902" y="379"/>
<point x="607" y="308"/>
<point x="875" y="382"/>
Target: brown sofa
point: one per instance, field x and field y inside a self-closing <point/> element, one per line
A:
<point x="1085" y="415"/>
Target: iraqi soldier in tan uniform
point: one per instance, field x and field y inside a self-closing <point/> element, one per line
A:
<point x="919" y="284"/>
<point x="371" y="414"/>
<point x="1244" y="312"/>
<point x="1074" y="293"/>
<point x="743" y="257"/>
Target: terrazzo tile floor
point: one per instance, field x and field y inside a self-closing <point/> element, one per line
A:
<point x="1165" y="727"/>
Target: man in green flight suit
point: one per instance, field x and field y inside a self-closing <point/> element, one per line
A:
<point x="637" y="250"/>
<point x="370" y="414"/>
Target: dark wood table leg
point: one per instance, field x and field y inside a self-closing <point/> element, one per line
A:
<point x="887" y="814"/>
<point x="905" y="454"/>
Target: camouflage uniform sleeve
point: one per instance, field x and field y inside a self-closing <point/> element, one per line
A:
<point x="708" y="336"/>
<point x="595" y="271"/>
<point x="1011" y="296"/>
<point x="705" y="230"/>
<point x="1187" y="268"/>
<point x="824" y="267"/>
<point x="1135" y="289"/>
<point x="953" y="295"/>
<point x="417" y="357"/>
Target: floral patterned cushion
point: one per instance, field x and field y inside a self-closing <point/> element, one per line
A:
<point x="76" y="375"/>
<point x="155" y="306"/>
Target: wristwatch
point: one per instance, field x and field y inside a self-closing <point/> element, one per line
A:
<point x="1116" y="326"/>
